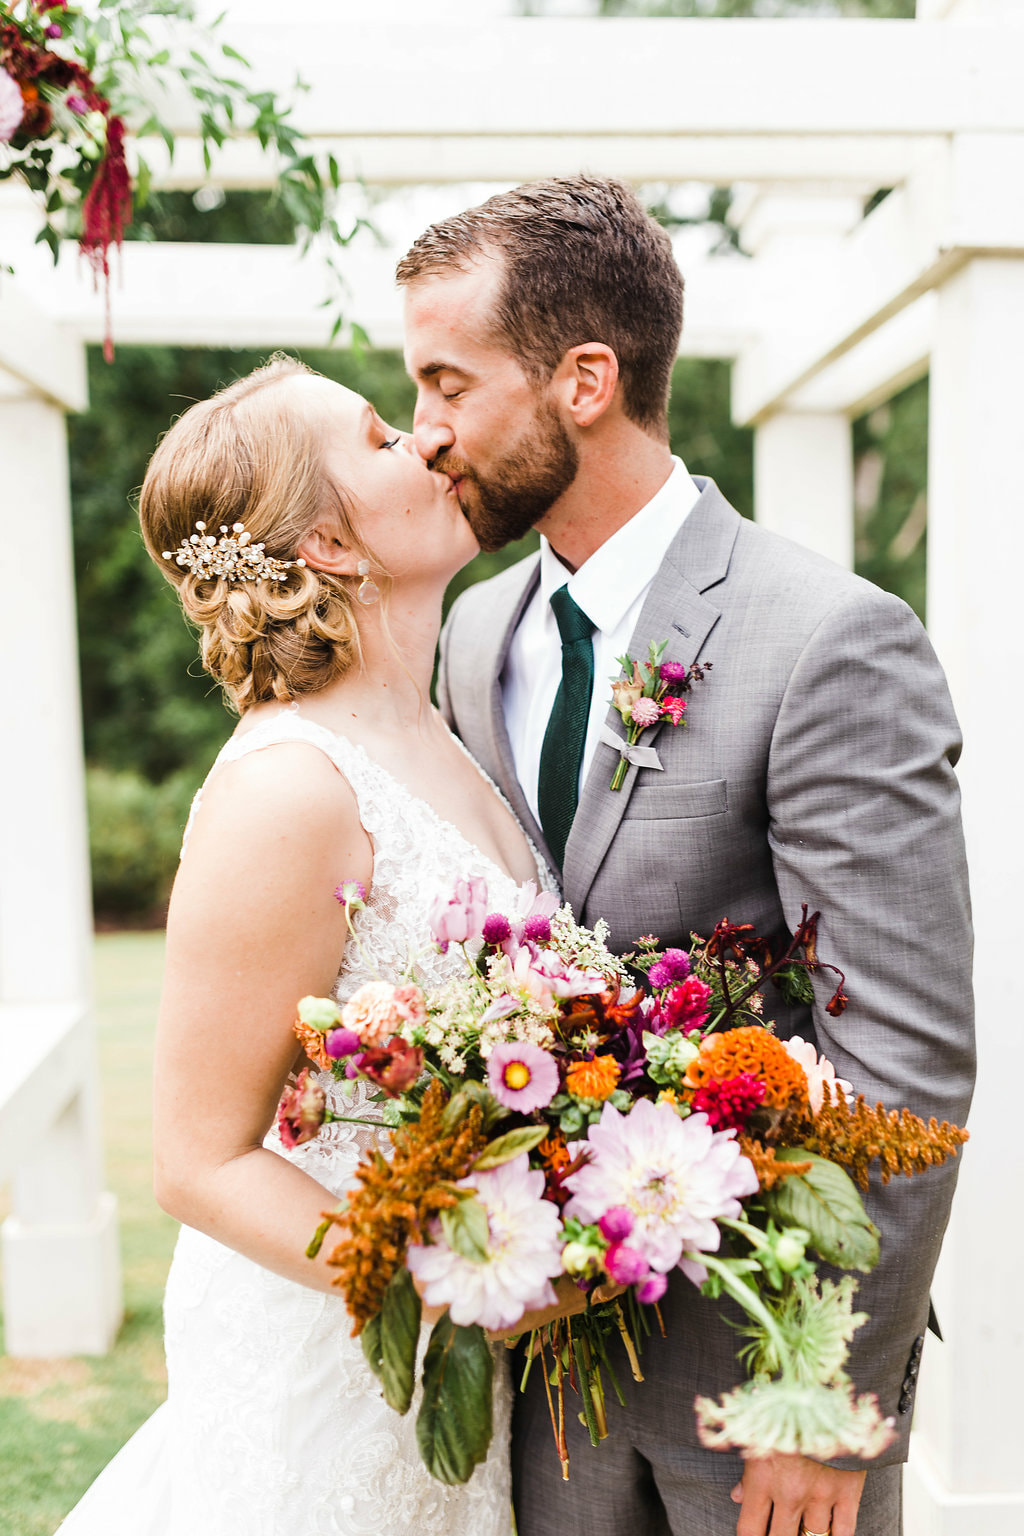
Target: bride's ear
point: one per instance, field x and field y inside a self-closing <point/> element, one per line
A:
<point x="324" y="551"/>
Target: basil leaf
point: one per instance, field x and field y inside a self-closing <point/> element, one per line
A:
<point x="453" y="1429"/>
<point x="827" y="1203"/>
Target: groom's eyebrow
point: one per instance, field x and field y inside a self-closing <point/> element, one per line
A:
<point x="431" y="370"/>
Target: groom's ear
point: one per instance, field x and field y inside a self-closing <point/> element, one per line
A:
<point x="587" y="378"/>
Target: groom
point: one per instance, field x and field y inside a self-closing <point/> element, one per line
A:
<point x="816" y="766"/>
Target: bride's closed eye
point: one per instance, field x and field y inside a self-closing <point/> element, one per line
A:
<point x="392" y="442"/>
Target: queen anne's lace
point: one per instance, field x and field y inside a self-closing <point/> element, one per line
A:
<point x="274" y="1424"/>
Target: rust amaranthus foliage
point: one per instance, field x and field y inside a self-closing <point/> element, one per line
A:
<point x="397" y="1200"/>
<point x="856" y="1136"/>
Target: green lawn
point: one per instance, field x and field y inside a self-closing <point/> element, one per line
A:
<point x="62" y="1420"/>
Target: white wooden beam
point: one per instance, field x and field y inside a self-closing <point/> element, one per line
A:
<point x="694" y="76"/>
<point x="912" y="242"/>
<point x="39" y="355"/>
<point x="861" y="161"/>
<point x="267" y="295"/>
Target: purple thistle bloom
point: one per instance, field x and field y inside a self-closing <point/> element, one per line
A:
<point x="341" y="1042"/>
<point x="653" y="1288"/>
<point x="351" y="894"/>
<point x="625" y="1265"/>
<point x="497" y="928"/>
<point x="674" y="965"/>
<point x="53" y="30"/>
<point x="672" y="672"/>
<point x="616" y="1224"/>
<point x="537" y="929"/>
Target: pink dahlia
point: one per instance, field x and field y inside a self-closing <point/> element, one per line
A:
<point x="12" y="106"/>
<point x="522" y="1076"/>
<point x="676" y="1177"/>
<point x="819" y="1071"/>
<point x="373" y="1012"/>
<point x="524" y="1249"/>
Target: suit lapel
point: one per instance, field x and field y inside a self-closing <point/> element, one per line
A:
<point x="677" y="611"/>
<point x="491" y="664"/>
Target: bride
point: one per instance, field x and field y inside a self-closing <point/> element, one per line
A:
<point x="318" y="602"/>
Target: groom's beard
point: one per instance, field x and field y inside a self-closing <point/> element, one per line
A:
<point x="503" y="502"/>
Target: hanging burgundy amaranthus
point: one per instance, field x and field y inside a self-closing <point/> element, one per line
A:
<point x="44" y="78"/>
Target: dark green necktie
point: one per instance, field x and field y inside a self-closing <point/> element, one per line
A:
<point x="562" y="752"/>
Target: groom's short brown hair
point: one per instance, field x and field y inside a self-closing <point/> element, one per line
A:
<point x="583" y="261"/>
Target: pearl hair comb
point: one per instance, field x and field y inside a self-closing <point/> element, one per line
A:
<point x="233" y="556"/>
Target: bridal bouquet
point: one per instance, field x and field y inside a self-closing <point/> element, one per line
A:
<point x="549" y="1119"/>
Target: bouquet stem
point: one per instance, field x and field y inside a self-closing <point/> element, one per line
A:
<point x="628" y="1345"/>
<point x="620" y="773"/>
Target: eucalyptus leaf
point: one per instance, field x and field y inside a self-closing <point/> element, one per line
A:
<point x="466" y="1230"/>
<point x="399" y="1336"/>
<point x="826" y="1202"/>
<point x="504" y="1148"/>
<point x="453" y="1429"/>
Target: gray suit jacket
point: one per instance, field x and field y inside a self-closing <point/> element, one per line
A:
<point x="816" y="766"/>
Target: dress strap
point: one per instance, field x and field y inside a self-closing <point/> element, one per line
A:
<point x="285" y="727"/>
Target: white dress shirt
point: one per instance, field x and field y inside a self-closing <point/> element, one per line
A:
<point x="610" y="588"/>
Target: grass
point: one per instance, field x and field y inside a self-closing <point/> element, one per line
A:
<point x="62" y="1420"/>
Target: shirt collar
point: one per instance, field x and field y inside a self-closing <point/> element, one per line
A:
<point x="606" y="586"/>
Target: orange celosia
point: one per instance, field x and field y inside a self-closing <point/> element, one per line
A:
<point x="900" y="1142"/>
<point x="313" y="1044"/>
<point x="397" y="1201"/>
<point x="755" y="1050"/>
<point x="594" y="1079"/>
<point x="769" y="1171"/>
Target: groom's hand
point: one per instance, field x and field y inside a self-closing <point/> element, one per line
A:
<point x="795" y="1493"/>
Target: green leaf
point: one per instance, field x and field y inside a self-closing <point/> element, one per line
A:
<point x="370" y="1340"/>
<point x="504" y="1148"/>
<point x="794" y="983"/>
<point x="826" y="1202"/>
<point x="453" y="1429"/>
<point x="465" y="1229"/>
<point x="399" y="1335"/>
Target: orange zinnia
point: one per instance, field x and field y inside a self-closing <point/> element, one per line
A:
<point x="755" y="1050"/>
<point x="593" y="1079"/>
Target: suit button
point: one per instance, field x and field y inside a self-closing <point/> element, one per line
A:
<point x="906" y="1401"/>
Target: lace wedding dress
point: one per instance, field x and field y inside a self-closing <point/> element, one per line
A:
<point x="274" y="1425"/>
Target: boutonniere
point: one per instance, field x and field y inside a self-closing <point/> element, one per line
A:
<point x="643" y="699"/>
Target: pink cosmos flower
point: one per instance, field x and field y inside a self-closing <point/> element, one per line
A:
<point x="461" y="917"/>
<point x="12" y="106"/>
<point x="522" y="1076"/>
<point x="644" y="713"/>
<point x="301" y="1111"/>
<point x="819" y="1071"/>
<point x="676" y="1178"/>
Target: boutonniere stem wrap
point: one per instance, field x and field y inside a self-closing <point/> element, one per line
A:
<point x="649" y="693"/>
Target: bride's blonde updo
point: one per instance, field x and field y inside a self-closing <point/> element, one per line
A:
<point x="249" y="455"/>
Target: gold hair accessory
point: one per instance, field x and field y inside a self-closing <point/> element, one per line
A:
<point x="233" y="555"/>
<point x="367" y="591"/>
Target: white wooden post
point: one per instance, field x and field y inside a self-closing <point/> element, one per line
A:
<point x="803" y="480"/>
<point x="62" y="1285"/>
<point x="966" y="1474"/>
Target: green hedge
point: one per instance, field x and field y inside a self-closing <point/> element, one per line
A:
<point x="135" y="832"/>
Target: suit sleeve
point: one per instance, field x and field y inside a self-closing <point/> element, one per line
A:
<point x="865" y="827"/>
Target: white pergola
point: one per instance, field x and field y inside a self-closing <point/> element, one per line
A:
<point x="832" y="314"/>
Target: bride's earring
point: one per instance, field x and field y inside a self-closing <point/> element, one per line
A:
<point x="368" y="591"/>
